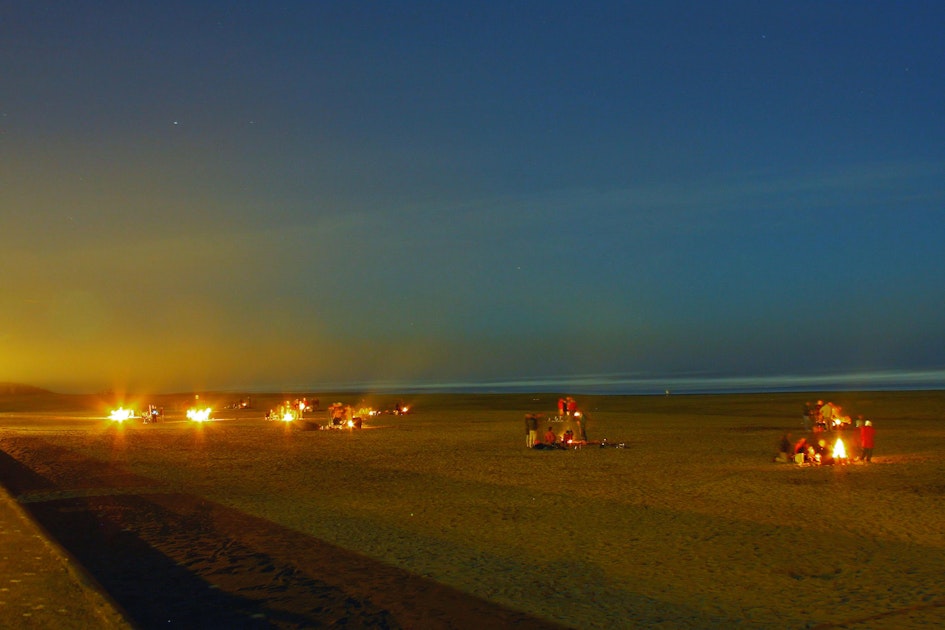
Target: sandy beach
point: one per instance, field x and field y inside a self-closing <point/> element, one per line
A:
<point x="443" y="519"/>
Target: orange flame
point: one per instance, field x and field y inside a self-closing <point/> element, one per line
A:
<point x="839" y="450"/>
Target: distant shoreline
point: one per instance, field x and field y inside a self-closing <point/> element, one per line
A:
<point x="621" y="384"/>
<point x="637" y="385"/>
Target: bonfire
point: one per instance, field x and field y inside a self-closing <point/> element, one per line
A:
<point x="121" y="414"/>
<point x="199" y="415"/>
<point x="839" y="452"/>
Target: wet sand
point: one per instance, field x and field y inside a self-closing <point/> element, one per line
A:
<point x="442" y="518"/>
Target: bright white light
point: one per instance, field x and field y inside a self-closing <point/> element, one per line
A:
<point x="121" y="414"/>
<point x="199" y="415"/>
<point x="839" y="450"/>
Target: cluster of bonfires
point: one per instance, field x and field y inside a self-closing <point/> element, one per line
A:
<point x="198" y="412"/>
<point x="339" y="414"/>
<point x="152" y="414"/>
<point x="290" y="411"/>
<point x="301" y="412"/>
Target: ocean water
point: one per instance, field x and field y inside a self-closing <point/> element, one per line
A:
<point x="640" y="384"/>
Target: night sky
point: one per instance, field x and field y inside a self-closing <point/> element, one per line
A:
<point x="306" y="195"/>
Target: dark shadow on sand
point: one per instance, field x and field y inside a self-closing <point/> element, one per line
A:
<point x="175" y="560"/>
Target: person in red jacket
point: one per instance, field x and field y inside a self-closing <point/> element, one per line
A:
<point x="867" y="435"/>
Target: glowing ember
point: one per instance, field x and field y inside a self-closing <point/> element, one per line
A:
<point x="121" y="414"/>
<point x="839" y="450"/>
<point x="199" y="415"/>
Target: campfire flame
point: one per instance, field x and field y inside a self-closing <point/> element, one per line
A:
<point x="121" y="414"/>
<point x="288" y="416"/>
<point x="839" y="450"/>
<point x="199" y="415"/>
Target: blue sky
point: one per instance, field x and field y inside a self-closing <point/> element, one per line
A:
<point x="247" y="195"/>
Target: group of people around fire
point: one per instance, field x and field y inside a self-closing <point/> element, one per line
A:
<point x="340" y="415"/>
<point x="825" y="416"/>
<point x="812" y="448"/>
<point x="815" y="448"/>
<point x="573" y="435"/>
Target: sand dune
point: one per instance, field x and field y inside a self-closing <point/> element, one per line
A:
<point x="442" y="518"/>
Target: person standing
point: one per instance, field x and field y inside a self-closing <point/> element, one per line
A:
<point x="572" y="406"/>
<point x="531" y="429"/>
<point x="810" y="416"/>
<point x="827" y="415"/>
<point x="867" y="435"/>
<point x="579" y="419"/>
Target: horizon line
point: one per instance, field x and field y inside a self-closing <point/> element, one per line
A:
<point x="615" y="383"/>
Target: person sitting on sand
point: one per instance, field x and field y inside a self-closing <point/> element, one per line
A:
<point x="785" y="449"/>
<point x="550" y="437"/>
<point x="800" y="448"/>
